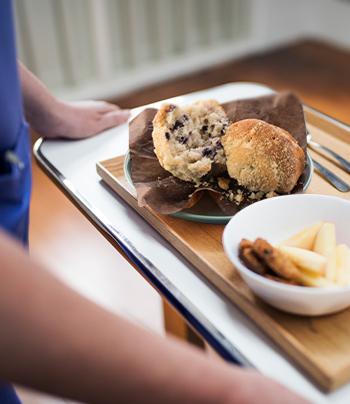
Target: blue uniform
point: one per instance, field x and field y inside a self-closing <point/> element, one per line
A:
<point x="15" y="164"/>
<point x="15" y="178"/>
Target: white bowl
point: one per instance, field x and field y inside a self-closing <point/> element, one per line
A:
<point x="275" y="220"/>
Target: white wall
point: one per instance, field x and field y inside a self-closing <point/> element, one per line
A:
<point x="103" y="48"/>
<point x="329" y="19"/>
<point x="279" y="21"/>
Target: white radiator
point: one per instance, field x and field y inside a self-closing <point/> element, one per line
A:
<point x="102" y="48"/>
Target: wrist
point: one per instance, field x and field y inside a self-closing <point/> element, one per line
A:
<point x="45" y="116"/>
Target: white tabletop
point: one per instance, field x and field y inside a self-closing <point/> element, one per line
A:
<point x="72" y="164"/>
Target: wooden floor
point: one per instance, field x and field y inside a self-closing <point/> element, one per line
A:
<point x="73" y="249"/>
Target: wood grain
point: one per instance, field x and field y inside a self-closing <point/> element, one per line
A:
<point x="319" y="345"/>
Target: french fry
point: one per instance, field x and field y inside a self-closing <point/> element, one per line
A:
<point x="325" y="244"/>
<point x="305" y="259"/>
<point x="320" y="281"/>
<point x="343" y="264"/>
<point x="331" y="266"/>
<point x="305" y="238"/>
<point x="325" y="241"/>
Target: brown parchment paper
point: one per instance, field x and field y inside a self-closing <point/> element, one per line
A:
<point x="164" y="193"/>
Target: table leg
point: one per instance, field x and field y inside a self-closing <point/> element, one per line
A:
<point x="175" y="325"/>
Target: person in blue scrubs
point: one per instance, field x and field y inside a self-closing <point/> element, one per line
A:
<point x="51" y="338"/>
<point x="15" y="159"/>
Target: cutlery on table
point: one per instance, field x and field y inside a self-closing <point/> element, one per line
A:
<point x="344" y="164"/>
<point x="327" y="174"/>
<point x="332" y="178"/>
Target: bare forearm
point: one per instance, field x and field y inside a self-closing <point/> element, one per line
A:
<point x="38" y="101"/>
<point x="54" y="340"/>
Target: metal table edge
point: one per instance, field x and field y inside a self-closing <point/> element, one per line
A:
<point x="154" y="276"/>
<point x="327" y="117"/>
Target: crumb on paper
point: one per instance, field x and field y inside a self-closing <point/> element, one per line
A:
<point x="256" y="196"/>
<point x="271" y="194"/>
<point x="235" y="196"/>
<point x="224" y="183"/>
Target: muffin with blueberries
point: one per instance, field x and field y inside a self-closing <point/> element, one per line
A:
<point x="187" y="140"/>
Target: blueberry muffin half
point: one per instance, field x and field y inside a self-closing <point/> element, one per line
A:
<point x="187" y="140"/>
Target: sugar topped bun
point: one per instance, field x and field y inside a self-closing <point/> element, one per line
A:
<point x="262" y="157"/>
<point x="187" y="140"/>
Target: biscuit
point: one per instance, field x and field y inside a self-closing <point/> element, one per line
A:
<point x="262" y="157"/>
<point x="187" y="140"/>
<point x="249" y="258"/>
<point x="279" y="263"/>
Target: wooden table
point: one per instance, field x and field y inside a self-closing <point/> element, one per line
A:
<point x="72" y="166"/>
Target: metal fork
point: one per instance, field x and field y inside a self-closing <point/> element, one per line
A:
<point x="345" y="164"/>
<point x="328" y="175"/>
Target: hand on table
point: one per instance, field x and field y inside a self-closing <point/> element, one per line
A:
<point x="51" y="117"/>
<point x="80" y="119"/>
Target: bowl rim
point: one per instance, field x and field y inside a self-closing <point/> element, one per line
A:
<point x="293" y="289"/>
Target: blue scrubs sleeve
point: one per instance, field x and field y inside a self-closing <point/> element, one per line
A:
<point x="15" y="179"/>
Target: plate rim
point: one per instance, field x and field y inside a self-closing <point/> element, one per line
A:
<point x="209" y="219"/>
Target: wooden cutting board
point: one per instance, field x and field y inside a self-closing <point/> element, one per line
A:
<point x="319" y="345"/>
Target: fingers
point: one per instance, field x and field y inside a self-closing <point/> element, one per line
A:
<point x="87" y="118"/>
<point x="105" y="107"/>
<point x="99" y="107"/>
<point x="114" y="118"/>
